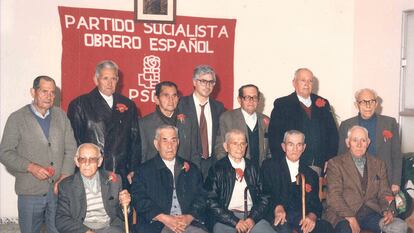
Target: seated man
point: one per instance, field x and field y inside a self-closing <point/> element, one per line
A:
<point x="359" y="197"/>
<point x="90" y="200"/>
<point x="234" y="190"/>
<point x="279" y="181"/>
<point x="167" y="190"/>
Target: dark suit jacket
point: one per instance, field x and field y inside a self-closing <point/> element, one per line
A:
<point x="186" y="132"/>
<point x="345" y="195"/>
<point x="287" y="114"/>
<point x="117" y="133"/>
<point x="276" y="182"/>
<point x="234" y="119"/>
<point x="71" y="207"/>
<point x="389" y="150"/>
<point x="152" y="191"/>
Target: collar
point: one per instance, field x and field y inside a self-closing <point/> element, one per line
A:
<point x="307" y="102"/>
<point x="293" y="169"/>
<point x="241" y="165"/>
<point x="37" y="113"/>
<point x="198" y="103"/>
<point x="170" y="164"/>
<point x="108" y="99"/>
<point x="248" y="117"/>
<point x="359" y="161"/>
<point x="92" y="184"/>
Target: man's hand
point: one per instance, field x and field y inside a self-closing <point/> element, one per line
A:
<point x="395" y="188"/>
<point x="124" y="198"/>
<point x="185" y="220"/>
<point x="309" y="223"/>
<point x="130" y="176"/>
<point x="250" y="223"/>
<point x="353" y="223"/>
<point x="242" y="226"/>
<point x="38" y="171"/>
<point x="280" y="215"/>
<point x="55" y="186"/>
<point x="388" y="217"/>
<point x="89" y="231"/>
<point x="171" y="222"/>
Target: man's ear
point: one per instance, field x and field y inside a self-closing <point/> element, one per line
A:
<point x="95" y="80"/>
<point x="156" y="144"/>
<point x="347" y="142"/>
<point x="32" y="92"/>
<point x="225" y="146"/>
<point x="76" y="161"/>
<point x="100" y="161"/>
<point x="283" y="146"/>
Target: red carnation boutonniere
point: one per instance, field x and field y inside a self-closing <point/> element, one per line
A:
<point x="389" y="199"/>
<point x="121" y="107"/>
<point x="50" y="170"/>
<point x="387" y="135"/>
<point x="308" y="188"/>
<point x="181" y="117"/>
<point x="239" y="174"/>
<point x="320" y="103"/>
<point x="266" y="121"/>
<point x="186" y="167"/>
<point x="112" y="178"/>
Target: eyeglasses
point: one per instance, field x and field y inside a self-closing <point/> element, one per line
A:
<point x="236" y="144"/>
<point x="204" y="82"/>
<point x="84" y="160"/>
<point x="367" y="102"/>
<point x="250" y="98"/>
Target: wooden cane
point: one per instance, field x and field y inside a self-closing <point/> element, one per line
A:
<point x="301" y="178"/>
<point x="125" y="207"/>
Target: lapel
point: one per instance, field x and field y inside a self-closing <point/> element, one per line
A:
<point x="179" y="163"/>
<point x="105" y="189"/>
<point x="297" y="109"/>
<point x="241" y="124"/>
<point x="79" y="193"/>
<point x="215" y="120"/>
<point x="371" y="175"/>
<point x="34" y="126"/>
<point x="352" y="171"/>
<point x="378" y="134"/>
<point x="262" y="131"/>
<point x="232" y="175"/>
<point x="166" y="177"/>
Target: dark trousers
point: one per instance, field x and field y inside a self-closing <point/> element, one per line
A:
<point x="369" y="222"/>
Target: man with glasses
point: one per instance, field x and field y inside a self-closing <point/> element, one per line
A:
<point x="38" y="149"/>
<point x="203" y="112"/>
<point x="91" y="200"/>
<point x="382" y="131"/>
<point x="166" y="100"/>
<point x="309" y="113"/>
<point x="246" y="119"/>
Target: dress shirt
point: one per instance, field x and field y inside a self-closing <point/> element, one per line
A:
<point x="250" y="120"/>
<point x="307" y="102"/>
<point x="37" y="113"/>
<point x="170" y="165"/>
<point x="209" y="120"/>
<point x="293" y="169"/>
<point x="109" y="99"/>
<point x="237" y="197"/>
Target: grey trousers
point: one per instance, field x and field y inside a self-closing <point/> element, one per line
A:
<point x="110" y="229"/>
<point x="190" y="229"/>
<point x="262" y="226"/>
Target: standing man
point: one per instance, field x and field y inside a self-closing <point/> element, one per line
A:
<point x="359" y="197"/>
<point x="309" y="113"/>
<point x="234" y="188"/>
<point x="38" y="149"/>
<point x="280" y="182"/>
<point x="204" y="113"/>
<point x="246" y="119"/>
<point x="109" y="120"/>
<point x="168" y="190"/>
<point x="166" y="100"/>
<point x="382" y="132"/>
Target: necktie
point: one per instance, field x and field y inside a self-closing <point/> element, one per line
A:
<point x="203" y="132"/>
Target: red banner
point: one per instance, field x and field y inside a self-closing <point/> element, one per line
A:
<point x="146" y="53"/>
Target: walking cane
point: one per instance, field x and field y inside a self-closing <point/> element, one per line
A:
<point x="301" y="178"/>
<point x="246" y="212"/>
<point x="125" y="207"/>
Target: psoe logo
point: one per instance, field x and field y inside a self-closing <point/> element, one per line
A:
<point x="149" y="77"/>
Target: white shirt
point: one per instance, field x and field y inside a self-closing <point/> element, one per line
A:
<point x="250" y="120"/>
<point x="293" y="169"/>
<point x="307" y="102"/>
<point x="109" y="99"/>
<point x="170" y="165"/>
<point x="209" y="120"/>
<point x="237" y="197"/>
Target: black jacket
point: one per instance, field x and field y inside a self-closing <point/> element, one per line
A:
<point x="114" y="130"/>
<point x="220" y="184"/>
<point x="276" y="184"/>
<point x="152" y="191"/>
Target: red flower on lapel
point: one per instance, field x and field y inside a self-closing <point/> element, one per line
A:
<point x="112" y="178"/>
<point x="186" y="167"/>
<point x="121" y="107"/>
<point x="320" y="103"/>
<point x="50" y="170"/>
<point x="387" y="135"/>
<point x="308" y="188"/>
<point x="181" y="117"/>
<point x="239" y="174"/>
<point x="266" y="121"/>
<point x="389" y="199"/>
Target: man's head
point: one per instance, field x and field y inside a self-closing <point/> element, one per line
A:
<point x="43" y="93"/>
<point x="88" y="159"/>
<point x="106" y="77"/>
<point x="293" y="144"/>
<point x="166" y="141"/>
<point x="303" y="82"/>
<point x="166" y="97"/>
<point x="204" y="79"/>
<point x="366" y="101"/>
<point x="357" y="141"/>
<point x="249" y="96"/>
<point x="235" y="144"/>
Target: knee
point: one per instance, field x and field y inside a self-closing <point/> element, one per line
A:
<point x="343" y="227"/>
<point x="397" y="226"/>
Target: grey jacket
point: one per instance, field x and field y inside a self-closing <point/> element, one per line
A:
<point x="23" y="142"/>
<point x="388" y="150"/>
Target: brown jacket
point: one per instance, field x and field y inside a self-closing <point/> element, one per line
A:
<point x="345" y="194"/>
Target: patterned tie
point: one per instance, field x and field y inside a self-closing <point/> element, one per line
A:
<point x="203" y="132"/>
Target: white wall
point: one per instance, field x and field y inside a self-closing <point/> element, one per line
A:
<point x="348" y="45"/>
